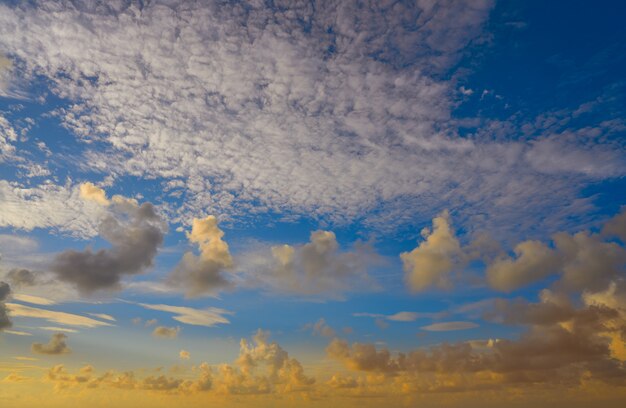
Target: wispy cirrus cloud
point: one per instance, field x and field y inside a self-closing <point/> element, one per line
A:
<point x="70" y="319"/>
<point x="199" y="317"/>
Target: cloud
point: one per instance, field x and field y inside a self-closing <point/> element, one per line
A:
<point x="35" y="300"/>
<point x="58" y="329"/>
<point x="16" y="243"/>
<point x="166" y="332"/>
<point x="449" y="326"/>
<point x="553" y="353"/>
<point x="21" y="277"/>
<point x="5" y="291"/>
<point x="184" y="355"/>
<point x="434" y="259"/>
<point x="17" y="310"/>
<point x="17" y="332"/>
<point x="616" y="226"/>
<point x="318" y="267"/>
<point x="340" y="109"/>
<point x="58" y="207"/>
<point x="583" y="261"/>
<point x="204" y="274"/>
<point x="90" y="192"/>
<point x="262" y="367"/>
<point x="534" y="261"/>
<point x="103" y="316"/>
<point x="55" y="346"/>
<point x="198" y="317"/>
<point x="134" y="231"/>
<point x="403" y="316"/>
<point x="321" y="328"/>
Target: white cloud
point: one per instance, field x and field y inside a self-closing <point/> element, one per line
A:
<point x="48" y="205"/>
<point x="449" y="326"/>
<point x="103" y="316"/>
<point x="331" y="111"/>
<point x="69" y="319"/>
<point x="199" y="317"/>
<point x="35" y="300"/>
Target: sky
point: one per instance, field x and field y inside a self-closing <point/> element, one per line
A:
<point x="312" y="203"/>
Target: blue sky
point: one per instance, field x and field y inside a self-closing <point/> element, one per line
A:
<point x="325" y="171"/>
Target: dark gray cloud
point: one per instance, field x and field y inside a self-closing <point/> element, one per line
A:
<point x="134" y="231"/>
<point x="55" y="346"/>
<point x="5" y="290"/>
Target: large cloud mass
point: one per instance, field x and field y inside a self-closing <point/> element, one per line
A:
<point x="134" y="231"/>
<point x="330" y="108"/>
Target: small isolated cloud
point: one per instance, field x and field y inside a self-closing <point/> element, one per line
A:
<point x="58" y="329"/>
<point x="70" y="319"/>
<point x="166" y="332"/>
<point x="184" y="355"/>
<point x="55" y="346"/>
<point x="103" y="316"/>
<point x="203" y="274"/>
<point x="134" y="231"/>
<point x="198" y="317"/>
<point x="17" y="332"/>
<point x="321" y="328"/>
<point x="402" y="316"/>
<point x="449" y="326"/>
<point x="434" y="259"/>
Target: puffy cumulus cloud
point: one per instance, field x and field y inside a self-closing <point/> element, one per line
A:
<point x="166" y="332"/>
<point x="135" y="233"/>
<point x="55" y="346"/>
<point x="70" y="319"/>
<point x="534" y="261"/>
<point x="90" y="192"/>
<point x="262" y="367"/>
<point x="326" y="108"/>
<point x="204" y="274"/>
<point x="198" y="317"/>
<point x="318" y="267"/>
<point x="5" y="291"/>
<point x="589" y="263"/>
<point x="58" y="207"/>
<point x="184" y="355"/>
<point x="584" y="261"/>
<point x="434" y="259"/>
